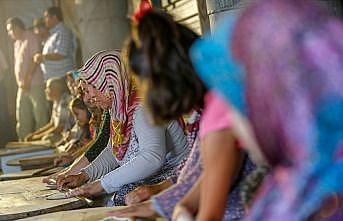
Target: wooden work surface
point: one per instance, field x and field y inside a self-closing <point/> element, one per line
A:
<point x="13" y="151"/>
<point x="91" y="214"/>
<point x="33" y="161"/>
<point x="26" y="197"/>
<point x="28" y="174"/>
<point x="28" y="144"/>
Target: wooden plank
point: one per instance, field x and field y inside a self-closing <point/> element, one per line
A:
<point x="27" y="197"/>
<point x="28" y="144"/>
<point x="8" y="152"/>
<point x="91" y="214"/>
<point x="184" y="9"/>
<point x="203" y="16"/>
<point x="185" y="12"/>
<point x="28" y="174"/>
<point x="38" y="160"/>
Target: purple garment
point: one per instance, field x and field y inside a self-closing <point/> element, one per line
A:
<point x="291" y="52"/>
<point x="165" y="202"/>
<point x="296" y="82"/>
<point x="332" y="209"/>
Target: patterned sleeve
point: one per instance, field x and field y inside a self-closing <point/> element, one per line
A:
<point x="165" y="202"/>
<point x="102" y="139"/>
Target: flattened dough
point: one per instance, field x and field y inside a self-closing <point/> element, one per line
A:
<point x="57" y="196"/>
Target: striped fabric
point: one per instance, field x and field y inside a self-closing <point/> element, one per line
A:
<point x="61" y="41"/>
<point x="106" y="72"/>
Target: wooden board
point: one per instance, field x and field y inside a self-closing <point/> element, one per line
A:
<point x="26" y="198"/>
<point x="33" y="161"/>
<point x="92" y="214"/>
<point x="28" y="174"/>
<point x="184" y="11"/>
<point x="7" y="152"/>
<point x="28" y="144"/>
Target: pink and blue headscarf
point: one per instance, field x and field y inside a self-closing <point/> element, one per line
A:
<point x="281" y="64"/>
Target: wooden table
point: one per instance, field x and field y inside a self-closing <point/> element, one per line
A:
<point x="7" y="154"/>
<point x="26" y="198"/>
<point x="91" y="214"/>
<point x="28" y="174"/>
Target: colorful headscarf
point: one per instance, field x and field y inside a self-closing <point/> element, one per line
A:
<point x="292" y="53"/>
<point x="106" y="72"/>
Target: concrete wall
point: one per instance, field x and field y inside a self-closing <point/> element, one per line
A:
<point x="99" y="24"/>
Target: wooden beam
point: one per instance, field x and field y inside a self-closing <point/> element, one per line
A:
<point x="203" y="16"/>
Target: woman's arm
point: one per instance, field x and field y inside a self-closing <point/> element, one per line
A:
<point x="222" y="162"/>
<point x="102" y="165"/>
<point x="37" y="135"/>
<point x="149" y="160"/>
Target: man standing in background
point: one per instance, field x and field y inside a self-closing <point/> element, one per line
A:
<point x="58" y="55"/>
<point x="32" y="109"/>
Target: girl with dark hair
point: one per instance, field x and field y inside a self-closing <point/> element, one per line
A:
<point x="158" y="55"/>
<point x="78" y="136"/>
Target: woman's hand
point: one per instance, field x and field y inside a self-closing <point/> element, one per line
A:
<point x="181" y="213"/>
<point x="87" y="190"/>
<point x="29" y="137"/>
<point x="144" y="209"/>
<point x="55" y="176"/>
<point x="72" y="181"/>
<point x="143" y="193"/>
<point x="140" y="194"/>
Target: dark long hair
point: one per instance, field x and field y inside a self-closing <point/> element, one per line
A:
<point x="79" y="104"/>
<point x="161" y="59"/>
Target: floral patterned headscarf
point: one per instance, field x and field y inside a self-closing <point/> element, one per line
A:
<point x="106" y="72"/>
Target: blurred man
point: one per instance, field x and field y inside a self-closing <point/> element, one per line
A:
<point x="32" y="106"/>
<point x="58" y="55"/>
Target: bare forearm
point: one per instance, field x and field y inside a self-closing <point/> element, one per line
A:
<point x="43" y="129"/>
<point x="222" y="161"/>
<point x="53" y="57"/>
<point x="78" y="164"/>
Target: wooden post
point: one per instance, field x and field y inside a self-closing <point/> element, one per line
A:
<point x="203" y="16"/>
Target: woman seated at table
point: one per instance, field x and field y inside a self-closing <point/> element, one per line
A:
<point x="138" y="152"/>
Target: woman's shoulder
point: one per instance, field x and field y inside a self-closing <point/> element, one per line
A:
<point x="143" y="120"/>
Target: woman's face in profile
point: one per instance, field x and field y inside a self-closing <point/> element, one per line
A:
<point x="93" y="97"/>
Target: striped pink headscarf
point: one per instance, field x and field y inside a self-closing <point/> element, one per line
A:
<point x="106" y="72"/>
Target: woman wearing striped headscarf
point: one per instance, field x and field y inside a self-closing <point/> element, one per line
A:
<point x="138" y="152"/>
